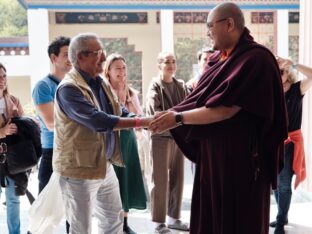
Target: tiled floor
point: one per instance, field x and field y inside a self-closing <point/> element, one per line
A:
<point x="300" y="221"/>
<point x="300" y="215"/>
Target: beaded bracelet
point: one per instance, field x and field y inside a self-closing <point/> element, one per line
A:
<point x="137" y="122"/>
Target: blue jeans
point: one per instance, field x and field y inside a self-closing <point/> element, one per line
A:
<point x="45" y="168"/>
<point x="12" y="207"/>
<point x="284" y="191"/>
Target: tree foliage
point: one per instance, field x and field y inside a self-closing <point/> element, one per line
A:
<point x="13" y="19"/>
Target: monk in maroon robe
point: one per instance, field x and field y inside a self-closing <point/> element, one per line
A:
<point x="232" y="126"/>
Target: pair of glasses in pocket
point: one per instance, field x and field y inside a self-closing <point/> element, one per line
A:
<point x="3" y="151"/>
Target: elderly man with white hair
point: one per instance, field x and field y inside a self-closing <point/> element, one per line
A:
<point x="87" y="115"/>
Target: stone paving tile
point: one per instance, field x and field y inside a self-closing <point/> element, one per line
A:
<point x="299" y="216"/>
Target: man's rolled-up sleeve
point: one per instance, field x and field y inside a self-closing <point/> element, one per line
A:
<point x="73" y="103"/>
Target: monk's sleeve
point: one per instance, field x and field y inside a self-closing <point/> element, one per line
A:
<point x="249" y="83"/>
<point x="254" y="84"/>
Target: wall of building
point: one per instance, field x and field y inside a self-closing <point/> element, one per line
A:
<point x="19" y="86"/>
<point x="263" y="27"/>
<point x="145" y="38"/>
<point x="18" y="76"/>
<point x="264" y="33"/>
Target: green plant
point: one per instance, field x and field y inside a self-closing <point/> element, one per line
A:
<point x="13" y="19"/>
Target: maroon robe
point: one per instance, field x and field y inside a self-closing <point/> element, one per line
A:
<point x="237" y="159"/>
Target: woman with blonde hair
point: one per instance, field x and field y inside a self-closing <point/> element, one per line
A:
<point x="130" y="177"/>
<point x="294" y="160"/>
<point x="9" y="107"/>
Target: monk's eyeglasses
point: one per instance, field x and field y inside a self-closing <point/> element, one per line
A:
<point x="210" y="25"/>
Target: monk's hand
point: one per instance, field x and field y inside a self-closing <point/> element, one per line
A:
<point x="159" y="113"/>
<point x="163" y="122"/>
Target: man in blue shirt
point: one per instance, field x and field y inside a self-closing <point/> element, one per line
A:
<point x="43" y="97"/>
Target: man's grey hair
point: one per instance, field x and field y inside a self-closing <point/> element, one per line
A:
<point x="79" y="44"/>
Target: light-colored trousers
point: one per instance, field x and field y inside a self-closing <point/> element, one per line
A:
<point x="168" y="179"/>
<point x="83" y="198"/>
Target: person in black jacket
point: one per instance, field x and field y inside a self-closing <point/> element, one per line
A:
<point x="24" y="147"/>
<point x="9" y="107"/>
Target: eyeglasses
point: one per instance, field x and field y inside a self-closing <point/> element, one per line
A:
<point x="3" y="151"/>
<point x="98" y="53"/>
<point x="210" y="25"/>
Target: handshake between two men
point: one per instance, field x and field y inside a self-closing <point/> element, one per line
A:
<point x="160" y="122"/>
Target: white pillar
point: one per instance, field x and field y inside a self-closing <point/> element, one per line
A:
<point x="38" y="34"/>
<point x="282" y="33"/>
<point x="166" y="20"/>
<point x="305" y="52"/>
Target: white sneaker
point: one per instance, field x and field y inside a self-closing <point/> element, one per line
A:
<point x="179" y="225"/>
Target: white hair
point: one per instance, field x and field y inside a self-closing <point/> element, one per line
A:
<point x="79" y="44"/>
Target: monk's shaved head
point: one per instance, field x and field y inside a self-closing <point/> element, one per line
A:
<point x="230" y="10"/>
<point x="225" y="24"/>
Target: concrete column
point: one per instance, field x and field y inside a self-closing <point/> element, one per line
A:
<point x="38" y="34"/>
<point x="282" y="33"/>
<point x="166" y="20"/>
<point x="305" y="52"/>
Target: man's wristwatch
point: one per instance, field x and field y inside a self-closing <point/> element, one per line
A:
<point x="179" y="118"/>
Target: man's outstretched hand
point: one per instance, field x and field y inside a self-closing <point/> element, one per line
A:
<point x="163" y="121"/>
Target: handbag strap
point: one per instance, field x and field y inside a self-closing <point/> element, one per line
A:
<point x="30" y="197"/>
<point x="2" y="182"/>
